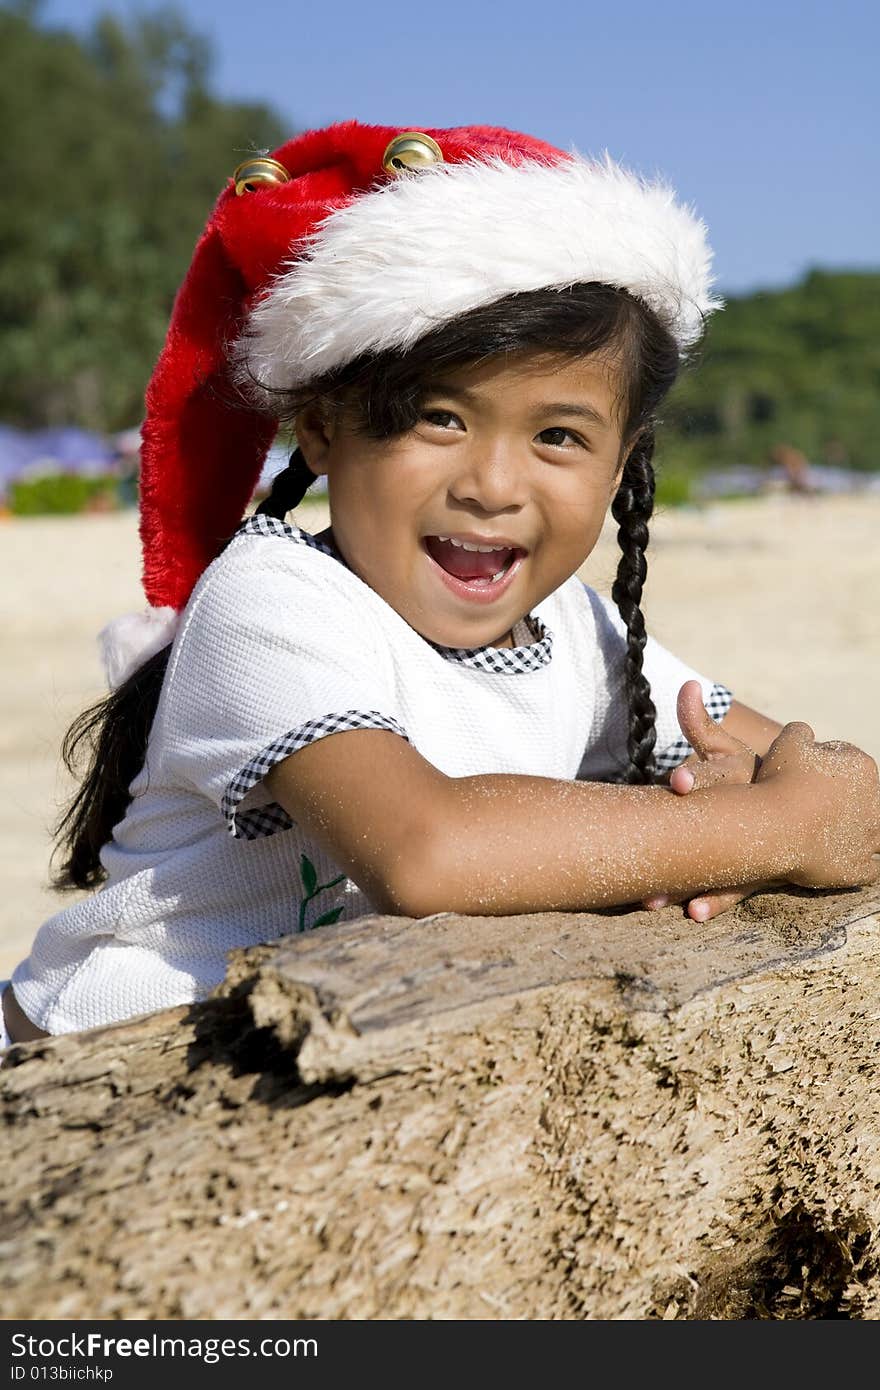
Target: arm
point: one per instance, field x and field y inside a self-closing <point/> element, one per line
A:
<point x="18" y="1025"/>
<point x="728" y="751"/>
<point x="420" y="842"/>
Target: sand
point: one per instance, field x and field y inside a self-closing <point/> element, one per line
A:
<point x="776" y="597"/>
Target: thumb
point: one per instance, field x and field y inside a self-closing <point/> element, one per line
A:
<point x="789" y="743"/>
<point x="707" y="738"/>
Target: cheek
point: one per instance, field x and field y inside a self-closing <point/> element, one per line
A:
<point x="375" y="505"/>
<point x="581" y="504"/>
<point x="578" y="520"/>
<point x="358" y="492"/>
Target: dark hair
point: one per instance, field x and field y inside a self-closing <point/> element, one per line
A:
<point x="382" y="393"/>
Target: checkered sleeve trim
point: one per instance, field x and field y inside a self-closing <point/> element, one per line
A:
<point x="268" y="820"/>
<point x="717" y="705"/>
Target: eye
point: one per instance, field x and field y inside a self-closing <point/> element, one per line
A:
<point x="557" y="436"/>
<point x="444" y="419"/>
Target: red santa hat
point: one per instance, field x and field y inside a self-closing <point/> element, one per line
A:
<point x="356" y="239"/>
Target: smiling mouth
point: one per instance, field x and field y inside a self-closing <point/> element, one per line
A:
<point x="471" y="563"/>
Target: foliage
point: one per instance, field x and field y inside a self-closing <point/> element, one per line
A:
<point x="311" y="890"/>
<point x="124" y="150"/>
<point x="799" y="366"/>
<point x="62" y="494"/>
<point x="673" y="487"/>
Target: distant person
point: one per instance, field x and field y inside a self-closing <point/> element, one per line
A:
<point x="795" y="468"/>
<point x="423" y="708"/>
<point x="835" y="454"/>
<point x="127" y="448"/>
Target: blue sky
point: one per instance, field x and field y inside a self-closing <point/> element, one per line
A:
<point x="763" y="115"/>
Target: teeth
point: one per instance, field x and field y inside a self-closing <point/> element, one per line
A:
<point x="466" y="545"/>
<point x="502" y="572"/>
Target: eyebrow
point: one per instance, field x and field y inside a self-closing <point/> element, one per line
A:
<point x="585" y="412"/>
<point x="461" y="393"/>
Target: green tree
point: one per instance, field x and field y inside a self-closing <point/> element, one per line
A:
<point x="124" y="151"/>
<point x="799" y="365"/>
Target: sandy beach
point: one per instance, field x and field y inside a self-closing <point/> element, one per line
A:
<point x="775" y="597"/>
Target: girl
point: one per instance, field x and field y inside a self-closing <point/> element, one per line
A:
<point x="421" y="709"/>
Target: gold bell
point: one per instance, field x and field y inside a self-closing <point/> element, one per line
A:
<point x="411" y="152"/>
<point x="257" y="171"/>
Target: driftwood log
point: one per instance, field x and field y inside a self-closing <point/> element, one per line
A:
<point x="616" y="1115"/>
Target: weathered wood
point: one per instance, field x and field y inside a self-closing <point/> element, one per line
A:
<point x="618" y="1115"/>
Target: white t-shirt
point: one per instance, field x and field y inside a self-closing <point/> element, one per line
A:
<point x="282" y="644"/>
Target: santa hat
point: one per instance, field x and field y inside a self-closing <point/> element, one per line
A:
<point x="356" y="239"/>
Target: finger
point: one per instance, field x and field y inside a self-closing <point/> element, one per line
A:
<point x="706" y="737"/>
<point x="682" y="780"/>
<point x="791" y="741"/>
<point x="698" y="776"/>
<point x="707" y="905"/>
<point x="712" y="904"/>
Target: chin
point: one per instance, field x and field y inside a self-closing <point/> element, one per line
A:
<point x="460" y="636"/>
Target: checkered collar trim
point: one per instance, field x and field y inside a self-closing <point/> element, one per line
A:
<point x="259" y="525"/>
<point x="525" y="656"/>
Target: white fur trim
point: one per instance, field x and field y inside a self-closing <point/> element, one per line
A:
<point x="389" y="266"/>
<point x="127" y="642"/>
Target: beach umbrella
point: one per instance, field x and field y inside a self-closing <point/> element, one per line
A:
<point x="16" y="454"/>
<point x="68" y="449"/>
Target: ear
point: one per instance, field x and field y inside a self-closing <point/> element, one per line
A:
<point x="625" y="452"/>
<point x="315" y="430"/>
<point x="615" y="481"/>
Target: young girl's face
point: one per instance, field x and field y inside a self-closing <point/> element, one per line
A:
<point x="494" y="498"/>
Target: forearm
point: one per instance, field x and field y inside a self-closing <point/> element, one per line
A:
<point x="18" y="1025"/>
<point x="418" y="841"/>
<point x="527" y="844"/>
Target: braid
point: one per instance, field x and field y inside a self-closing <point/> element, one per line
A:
<point x="112" y="736"/>
<point x="288" y="488"/>
<point x="632" y="508"/>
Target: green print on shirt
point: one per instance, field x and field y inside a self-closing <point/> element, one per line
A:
<point x="311" y="889"/>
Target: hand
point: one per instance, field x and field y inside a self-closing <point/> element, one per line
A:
<point x="718" y="757"/>
<point x="834" y="791"/>
<point x="830" y="793"/>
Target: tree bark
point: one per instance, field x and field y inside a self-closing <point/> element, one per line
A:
<point x="613" y="1115"/>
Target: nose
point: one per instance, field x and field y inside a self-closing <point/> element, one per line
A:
<point x="490" y="478"/>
